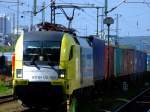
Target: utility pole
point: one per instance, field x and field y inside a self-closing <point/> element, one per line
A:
<point x="31" y="20"/>
<point x="97" y="21"/>
<point x="108" y="21"/>
<point x="102" y="25"/>
<point x="13" y="23"/>
<point x="53" y="11"/>
<point x="106" y="7"/>
<point x="117" y="28"/>
<point x="86" y="30"/>
<point x="43" y="13"/>
<point x="17" y="16"/>
<point x="34" y="7"/>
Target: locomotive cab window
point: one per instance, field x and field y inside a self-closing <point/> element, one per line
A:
<point x="32" y="47"/>
<point x="43" y="52"/>
<point x="71" y="52"/>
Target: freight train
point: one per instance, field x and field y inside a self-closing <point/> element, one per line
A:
<point x="56" y="67"/>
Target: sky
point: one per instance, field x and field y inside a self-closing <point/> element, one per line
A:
<point x="133" y="17"/>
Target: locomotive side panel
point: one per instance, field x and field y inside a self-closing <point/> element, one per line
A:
<point x="98" y="58"/>
<point x="18" y="62"/>
<point x="86" y="67"/>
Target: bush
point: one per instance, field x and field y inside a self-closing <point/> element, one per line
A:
<point x="6" y="48"/>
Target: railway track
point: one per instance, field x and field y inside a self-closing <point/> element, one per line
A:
<point x="5" y="99"/>
<point x="140" y="103"/>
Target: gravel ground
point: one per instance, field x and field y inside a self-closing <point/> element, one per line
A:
<point x="13" y="106"/>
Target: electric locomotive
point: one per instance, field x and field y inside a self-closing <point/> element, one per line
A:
<point x="54" y="67"/>
<point x="51" y="67"/>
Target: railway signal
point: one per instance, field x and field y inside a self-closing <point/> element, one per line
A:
<point x="108" y="21"/>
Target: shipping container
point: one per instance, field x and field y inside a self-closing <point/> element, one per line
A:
<point x="118" y="63"/>
<point x="111" y="62"/>
<point x="138" y="62"/>
<point x="125" y="62"/>
<point x="143" y="62"/>
<point x="130" y="61"/>
<point x="98" y="58"/>
<point x="148" y="62"/>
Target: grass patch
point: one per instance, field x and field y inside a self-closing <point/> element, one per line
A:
<point x="4" y="89"/>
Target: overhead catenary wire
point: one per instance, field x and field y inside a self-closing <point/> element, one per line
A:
<point x="92" y="17"/>
<point x="62" y="1"/>
<point x="89" y="20"/>
<point x="92" y="20"/>
<point x="97" y="1"/>
<point x="148" y="4"/>
<point x="8" y="1"/>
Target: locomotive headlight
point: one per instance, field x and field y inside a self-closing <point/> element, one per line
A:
<point x="19" y="73"/>
<point x="62" y="73"/>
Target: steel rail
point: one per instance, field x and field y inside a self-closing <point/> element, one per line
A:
<point x="133" y="101"/>
<point x="5" y="99"/>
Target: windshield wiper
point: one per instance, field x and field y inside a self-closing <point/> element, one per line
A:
<point x="33" y="62"/>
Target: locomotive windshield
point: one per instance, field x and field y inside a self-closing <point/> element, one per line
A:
<point x="42" y="50"/>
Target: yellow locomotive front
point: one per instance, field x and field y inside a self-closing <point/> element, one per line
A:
<point x="42" y="60"/>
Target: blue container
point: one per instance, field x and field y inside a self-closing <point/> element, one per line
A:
<point x="140" y="64"/>
<point x="98" y="58"/>
<point x="148" y="62"/>
<point x="136" y="62"/>
<point x="143" y="62"/>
